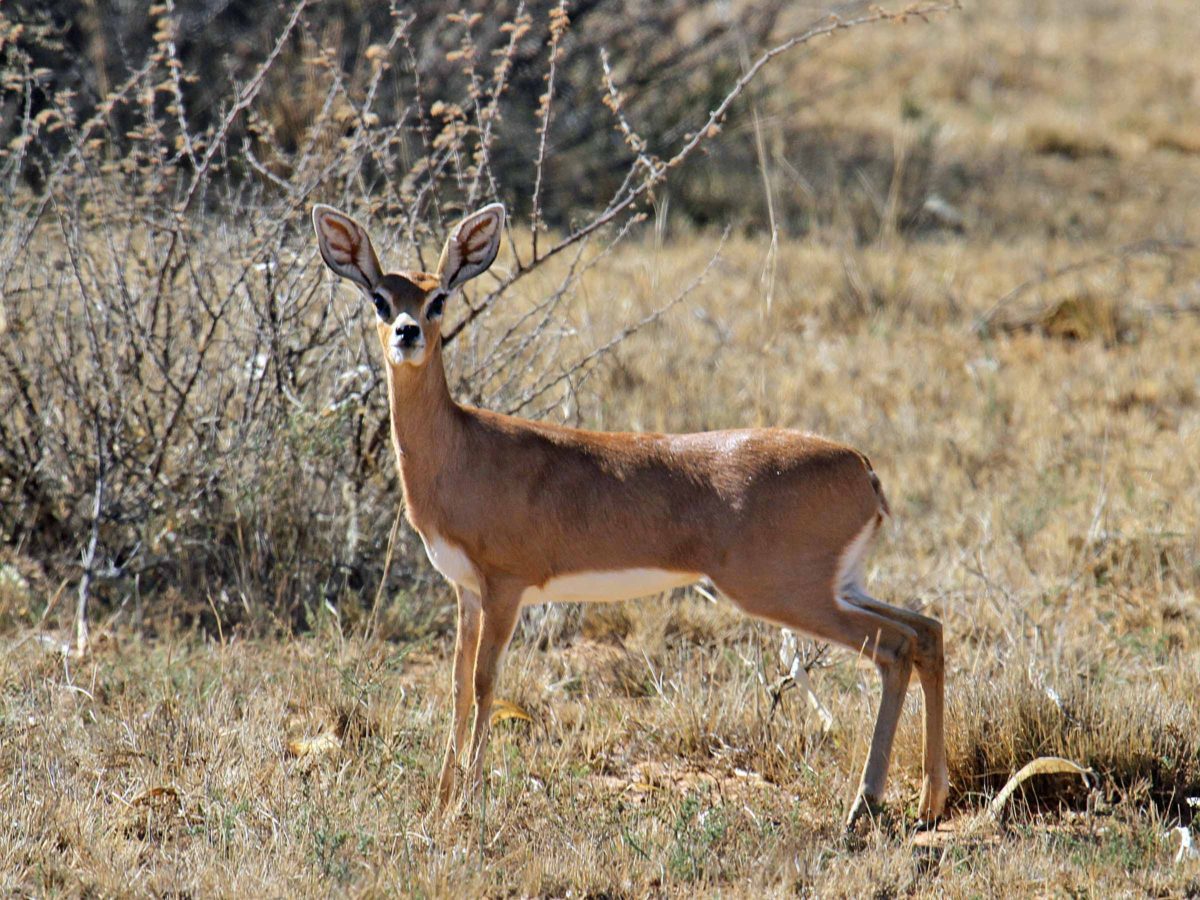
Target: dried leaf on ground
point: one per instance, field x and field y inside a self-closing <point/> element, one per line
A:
<point x="1045" y="765"/>
<point x="322" y="744"/>
<point x="506" y="709"/>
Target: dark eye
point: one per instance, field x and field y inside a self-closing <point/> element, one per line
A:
<point x="381" y="305"/>
<point x="434" y="309"/>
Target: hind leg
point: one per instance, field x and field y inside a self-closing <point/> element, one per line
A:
<point x="895" y="669"/>
<point x="929" y="659"/>
<point x="889" y="642"/>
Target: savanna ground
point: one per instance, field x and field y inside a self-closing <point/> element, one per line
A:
<point x="1024" y="371"/>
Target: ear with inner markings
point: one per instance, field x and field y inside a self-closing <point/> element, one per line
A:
<point x="471" y="247"/>
<point x="345" y="247"/>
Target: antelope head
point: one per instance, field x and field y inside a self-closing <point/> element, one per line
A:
<point x="409" y="305"/>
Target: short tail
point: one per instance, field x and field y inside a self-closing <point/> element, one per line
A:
<point x="884" y="509"/>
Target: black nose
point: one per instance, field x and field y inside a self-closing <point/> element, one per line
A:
<point x="408" y="334"/>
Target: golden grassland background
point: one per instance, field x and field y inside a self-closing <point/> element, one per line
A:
<point x="1023" y="370"/>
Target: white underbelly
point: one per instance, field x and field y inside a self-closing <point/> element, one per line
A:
<point x="578" y="587"/>
<point x="607" y="586"/>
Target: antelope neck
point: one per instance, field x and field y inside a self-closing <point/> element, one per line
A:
<point x="423" y="412"/>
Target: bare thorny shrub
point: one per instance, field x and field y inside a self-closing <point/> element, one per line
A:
<point x="188" y="401"/>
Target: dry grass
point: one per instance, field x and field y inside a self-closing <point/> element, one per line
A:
<point x="1046" y="507"/>
<point x="1042" y="459"/>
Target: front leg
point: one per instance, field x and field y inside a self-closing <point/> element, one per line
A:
<point x="466" y="646"/>
<point x="501" y="606"/>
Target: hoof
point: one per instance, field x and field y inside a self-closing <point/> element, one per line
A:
<point x="863" y="805"/>
<point x="933" y="799"/>
<point x="448" y="789"/>
<point x="927" y="823"/>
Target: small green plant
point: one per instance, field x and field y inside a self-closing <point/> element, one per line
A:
<point x="698" y="831"/>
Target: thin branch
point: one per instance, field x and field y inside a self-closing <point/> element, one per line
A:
<point x="658" y="171"/>
<point x="624" y="333"/>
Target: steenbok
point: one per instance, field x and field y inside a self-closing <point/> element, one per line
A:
<point x="514" y="512"/>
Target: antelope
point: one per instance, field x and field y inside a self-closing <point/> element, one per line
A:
<point x="514" y="512"/>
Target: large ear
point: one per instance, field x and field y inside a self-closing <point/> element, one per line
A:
<point x="472" y="246"/>
<point x="345" y="247"/>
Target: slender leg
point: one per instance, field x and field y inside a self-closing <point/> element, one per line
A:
<point x="929" y="659"/>
<point x="465" y="648"/>
<point x="886" y="640"/>
<point x="895" y="674"/>
<point x="500" y="608"/>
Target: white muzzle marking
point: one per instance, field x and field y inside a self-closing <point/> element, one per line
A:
<point x="406" y="354"/>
